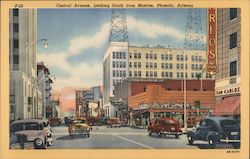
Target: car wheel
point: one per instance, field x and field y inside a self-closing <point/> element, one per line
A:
<point x="87" y="135"/>
<point x="159" y="134"/>
<point x="177" y="136"/>
<point x="38" y="143"/>
<point x="149" y="133"/>
<point x="236" y="145"/>
<point x="211" y="142"/>
<point x="190" y="140"/>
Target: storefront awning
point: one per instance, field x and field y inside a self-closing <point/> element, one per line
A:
<point x="228" y="106"/>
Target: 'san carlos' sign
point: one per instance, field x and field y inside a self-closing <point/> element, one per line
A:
<point x="211" y="66"/>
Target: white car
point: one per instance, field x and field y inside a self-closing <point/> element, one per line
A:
<point x="35" y="131"/>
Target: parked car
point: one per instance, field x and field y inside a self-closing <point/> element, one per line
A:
<point x="215" y="130"/>
<point x="79" y="126"/>
<point x="114" y="122"/>
<point x="93" y="121"/>
<point x="36" y="131"/>
<point x="165" y="126"/>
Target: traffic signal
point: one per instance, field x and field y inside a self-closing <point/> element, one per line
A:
<point x="29" y="100"/>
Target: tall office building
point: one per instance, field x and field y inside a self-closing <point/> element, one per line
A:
<point x="25" y="98"/>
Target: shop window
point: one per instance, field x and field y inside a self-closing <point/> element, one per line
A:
<point x="233" y="13"/>
<point x="233" y="40"/>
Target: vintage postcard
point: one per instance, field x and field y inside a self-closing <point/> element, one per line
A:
<point x="124" y="79"/>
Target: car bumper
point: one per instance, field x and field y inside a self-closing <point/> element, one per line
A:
<point x="229" y="140"/>
<point x="171" y="133"/>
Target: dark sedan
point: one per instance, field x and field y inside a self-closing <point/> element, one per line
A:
<point x="215" y="130"/>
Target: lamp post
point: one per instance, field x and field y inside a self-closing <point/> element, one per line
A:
<point x="27" y="47"/>
<point x="185" y="93"/>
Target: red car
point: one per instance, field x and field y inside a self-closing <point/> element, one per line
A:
<point x="165" y="126"/>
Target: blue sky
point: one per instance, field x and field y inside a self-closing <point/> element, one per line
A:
<point x="78" y="38"/>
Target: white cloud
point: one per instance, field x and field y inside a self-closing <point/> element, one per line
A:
<point x="82" y="42"/>
<point x="153" y="30"/>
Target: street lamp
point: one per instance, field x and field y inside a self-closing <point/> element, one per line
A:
<point x="27" y="47"/>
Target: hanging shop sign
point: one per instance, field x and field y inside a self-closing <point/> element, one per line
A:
<point x="211" y="66"/>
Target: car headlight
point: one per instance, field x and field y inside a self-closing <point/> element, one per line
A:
<point x="73" y="129"/>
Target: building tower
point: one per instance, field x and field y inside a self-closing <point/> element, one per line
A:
<point x="115" y="61"/>
<point x="194" y="39"/>
<point x="118" y="26"/>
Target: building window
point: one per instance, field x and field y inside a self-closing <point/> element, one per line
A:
<point x="162" y="56"/>
<point x="200" y="58"/>
<point x="135" y="55"/>
<point x="130" y="74"/>
<point x="151" y="64"/>
<point x="166" y="65"/>
<point x="15" y="12"/>
<point x="155" y="56"/>
<point x="177" y="65"/>
<point x="233" y="68"/>
<point x="120" y="55"/>
<point x="182" y="57"/>
<point x="171" y="57"/>
<point x="113" y="73"/>
<point x="135" y="73"/>
<point x="16" y="43"/>
<point x="162" y="74"/>
<point x="192" y="66"/>
<point x="166" y="56"/>
<point x="15" y="27"/>
<point x="192" y="75"/>
<point x="200" y="66"/>
<point x="124" y="55"/>
<point x="192" y="58"/>
<point x="181" y="74"/>
<point x="186" y="57"/>
<point x="146" y="73"/>
<point x="130" y="64"/>
<point x="139" y="73"/>
<point x="139" y="64"/>
<point x="130" y="55"/>
<point x="196" y="58"/>
<point x="124" y="73"/>
<point x="117" y="55"/>
<point x="151" y="56"/>
<point x="121" y="64"/>
<point x="146" y="55"/>
<point x="139" y="55"/>
<point x="162" y="65"/>
<point x="120" y="73"/>
<point x="147" y="65"/>
<point x="135" y="64"/>
<point x="171" y="74"/>
<point x="117" y="73"/>
<point x="182" y="66"/>
<point x="113" y="64"/>
<point x="171" y="66"/>
<point x="196" y="66"/>
<point x="117" y="64"/>
<point x="177" y="75"/>
<point x="155" y="65"/>
<point x="233" y="13"/>
<point x="177" y="57"/>
<point x="186" y="66"/>
<point x="124" y="64"/>
<point x="166" y="74"/>
<point x="186" y="75"/>
<point x="16" y="59"/>
<point x="155" y="74"/>
<point x="233" y="40"/>
<point x="151" y="73"/>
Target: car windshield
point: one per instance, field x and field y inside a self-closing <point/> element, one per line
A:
<point x="24" y="126"/>
<point x="80" y="121"/>
<point x="229" y="123"/>
<point x="165" y="122"/>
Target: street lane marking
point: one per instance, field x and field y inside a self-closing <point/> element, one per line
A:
<point x="134" y="142"/>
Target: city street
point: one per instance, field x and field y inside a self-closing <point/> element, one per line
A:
<point x="102" y="137"/>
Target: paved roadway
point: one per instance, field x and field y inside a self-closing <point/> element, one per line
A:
<point x="102" y="137"/>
